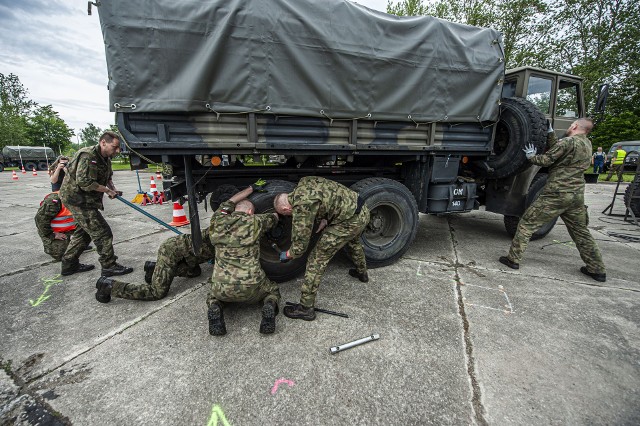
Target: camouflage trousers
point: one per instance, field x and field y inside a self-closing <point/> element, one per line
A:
<point x="265" y="291"/>
<point x="55" y="248"/>
<point x="90" y="226"/>
<point x="334" y="237"/>
<point x="570" y="207"/>
<point x="175" y="259"/>
<point x="617" y="169"/>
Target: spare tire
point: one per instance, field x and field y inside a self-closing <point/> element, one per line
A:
<point x="521" y="123"/>
<point x="633" y="190"/>
<point x="280" y="235"/>
<point x="511" y="222"/>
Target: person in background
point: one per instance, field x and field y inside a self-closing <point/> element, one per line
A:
<point x="56" y="172"/>
<point x="598" y="160"/>
<point x="617" y="163"/>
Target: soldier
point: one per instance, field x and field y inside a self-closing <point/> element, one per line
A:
<point x="87" y="178"/>
<point x="55" y="224"/>
<point x="344" y="215"/>
<point x="175" y="258"/>
<point x="563" y="196"/>
<point x="237" y="274"/>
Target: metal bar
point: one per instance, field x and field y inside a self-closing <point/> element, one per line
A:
<point x="194" y="217"/>
<point x="336" y="349"/>
<point x="133" y="206"/>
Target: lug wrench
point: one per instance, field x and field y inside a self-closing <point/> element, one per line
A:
<point x="336" y="349"/>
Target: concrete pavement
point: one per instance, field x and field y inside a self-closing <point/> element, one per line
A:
<point x="464" y="340"/>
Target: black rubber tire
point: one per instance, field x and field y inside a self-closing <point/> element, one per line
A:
<point x="511" y="222"/>
<point x="521" y="123"/>
<point x="280" y="234"/>
<point x="394" y="220"/>
<point x="633" y="190"/>
<point x="220" y="195"/>
<point x="30" y="165"/>
<point x="42" y="166"/>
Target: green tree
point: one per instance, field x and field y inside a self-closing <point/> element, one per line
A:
<point x="616" y="128"/>
<point x="47" y="128"/>
<point x="90" y="135"/>
<point x="15" y="108"/>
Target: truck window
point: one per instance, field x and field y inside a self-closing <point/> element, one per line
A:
<point x="539" y="93"/>
<point x="567" y="100"/>
<point x="509" y="89"/>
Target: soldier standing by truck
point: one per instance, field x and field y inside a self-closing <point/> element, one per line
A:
<point x="563" y="196"/>
<point x="345" y="216"/>
<point x="88" y="177"/>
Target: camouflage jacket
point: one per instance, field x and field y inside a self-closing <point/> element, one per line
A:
<point x="49" y="208"/>
<point x="86" y="170"/>
<point x="567" y="161"/>
<point x="181" y="246"/>
<point x="317" y="198"/>
<point x="236" y="238"/>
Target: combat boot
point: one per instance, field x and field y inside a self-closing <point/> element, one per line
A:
<point x="364" y="277"/>
<point x="600" y="277"/>
<point x="73" y="268"/>
<point x="506" y="261"/>
<point x="149" y="267"/>
<point x="269" y="312"/>
<point x="299" y="312"/>
<point x="194" y="272"/>
<point x="104" y="286"/>
<point x="216" y="320"/>
<point x="116" y="269"/>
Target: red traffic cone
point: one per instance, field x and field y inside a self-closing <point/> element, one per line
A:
<point x="34" y="172"/>
<point x="15" y="176"/>
<point x="24" y="172"/>
<point x="158" y="176"/>
<point x="152" y="187"/>
<point x="179" y="218"/>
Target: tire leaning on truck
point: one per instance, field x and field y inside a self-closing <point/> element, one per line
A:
<point x="394" y="220"/>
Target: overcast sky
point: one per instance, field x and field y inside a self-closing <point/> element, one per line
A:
<point x="57" y="51"/>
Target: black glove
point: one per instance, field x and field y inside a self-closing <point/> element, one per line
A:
<point x="259" y="185"/>
<point x="284" y="257"/>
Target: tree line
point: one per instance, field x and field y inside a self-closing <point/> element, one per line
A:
<point x="598" y="40"/>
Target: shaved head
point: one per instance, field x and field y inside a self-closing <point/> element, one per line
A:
<point x="245" y="206"/>
<point x="584" y="124"/>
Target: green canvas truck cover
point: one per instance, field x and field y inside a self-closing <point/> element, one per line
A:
<point x="28" y="152"/>
<point x="329" y="58"/>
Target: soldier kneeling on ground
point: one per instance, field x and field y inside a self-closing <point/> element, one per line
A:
<point x="237" y="274"/>
<point x="175" y="258"/>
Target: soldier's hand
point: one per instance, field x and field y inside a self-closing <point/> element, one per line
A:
<point x="259" y="185"/>
<point x="119" y="193"/>
<point x="549" y="128"/>
<point x="529" y="151"/>
<point x="322" y="225"/>
<point x="59" y="236"/>
<point x="112" y="194"/>
<point x="284" y="257"/>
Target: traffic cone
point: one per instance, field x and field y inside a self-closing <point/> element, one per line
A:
<point x="152" y="187"/>
<point x="179" y="218"/>
<point x="158" y="175"/>
<point x="34" y="172"/>
<point x="24" y="172"/>
<point x="15" y="176"/>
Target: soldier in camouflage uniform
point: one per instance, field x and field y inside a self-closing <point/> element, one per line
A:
<point x="175" y="258"/>
<point x="237" y="273"/>
<point x="345" y="217"/>
<point x="88" y="177"/>
<point x="563" y="196"/>
<point x="54" y="236"/>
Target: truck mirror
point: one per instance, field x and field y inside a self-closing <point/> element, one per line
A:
<point x="601" y="101"/>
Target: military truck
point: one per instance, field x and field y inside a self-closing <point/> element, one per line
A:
<point x="416" y="114"/>
<point x="38" y="157"/>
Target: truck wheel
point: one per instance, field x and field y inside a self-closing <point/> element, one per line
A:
<point x="511" y="222"/>
<point x="280" y="235"/>
<point x="394" y="220"/>
<point x="221" y="194"/>
<point x="42" y="166"/>
<point x="520" y="124"/>
<point x="633" y="190"/>
<point x="30" y="165"/>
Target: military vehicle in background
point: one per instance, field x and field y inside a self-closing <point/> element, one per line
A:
<point x="415" y="113"/>
<point x="30" y="157"/>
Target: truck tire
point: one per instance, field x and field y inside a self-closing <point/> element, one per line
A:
<point x="280" y="235"/>
<point x="394" y="220"/>
<point x="633" y="190"/>
<point x="511" y="222"/>
<point x="220" y="195"/>
<point x="30" y="165"/>
<point x="42" y="166"/>
<point x="521" y="123"/>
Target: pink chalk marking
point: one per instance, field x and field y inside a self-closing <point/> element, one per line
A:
<point x="274" y="389"/>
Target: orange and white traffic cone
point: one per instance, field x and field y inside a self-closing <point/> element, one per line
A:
<point x="179" y="218"/>
<point x="152" y="187"/>
<point x="15" y="176"/>
<point x="158" y="176"/>
<point x="34" y="172"/>
<point x="24" y="172"/>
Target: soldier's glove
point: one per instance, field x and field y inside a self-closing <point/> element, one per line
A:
<point x="284" y="257"/>
<point x="549" y="128"/>
<point x="119" y="193"/>
<point x="259" y="185"/>
<point x="529" y="151"/>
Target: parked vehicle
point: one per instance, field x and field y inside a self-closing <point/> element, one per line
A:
<point x="632" y="148"/>
<point x="415" y="113"/>
<point x="30" y="157"/>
